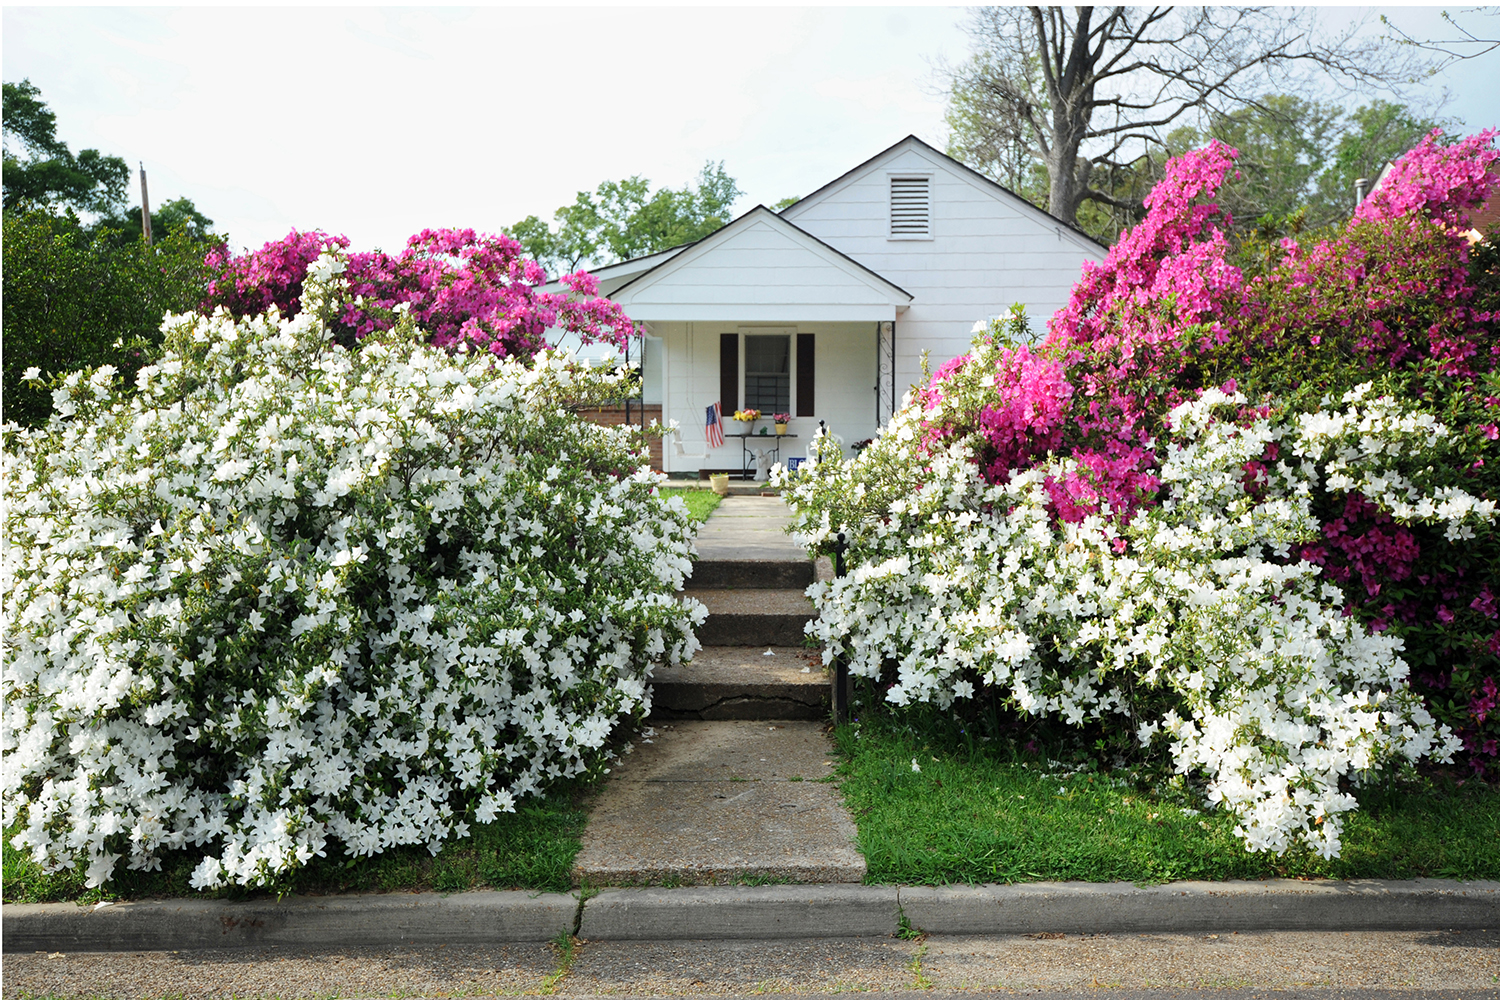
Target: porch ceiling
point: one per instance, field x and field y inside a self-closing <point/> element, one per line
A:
<point x="759" y="312"/>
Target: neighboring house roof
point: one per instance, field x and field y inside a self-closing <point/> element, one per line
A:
<point x="963" y="170"/>
<point x="809" y="280"/>
<point x="1483" y="219"/>
<point x="612" y="276"/>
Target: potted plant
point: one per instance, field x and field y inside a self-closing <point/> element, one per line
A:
<point x="719" y="482"/>
<point x="781" y="420"/>
<point x="747" y="419"/>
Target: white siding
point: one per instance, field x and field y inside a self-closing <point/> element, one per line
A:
<point x="987" y="250"/>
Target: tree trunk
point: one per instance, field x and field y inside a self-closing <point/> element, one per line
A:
<point x="1070" y="91"/>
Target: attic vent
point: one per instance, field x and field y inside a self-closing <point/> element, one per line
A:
<point x="910" y="205"/>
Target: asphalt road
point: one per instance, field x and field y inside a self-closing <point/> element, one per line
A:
<point x="1430" y="965"/>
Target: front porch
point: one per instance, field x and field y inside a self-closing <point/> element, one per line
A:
<point x="761" y="315"/>
<point x="819" y="373"/>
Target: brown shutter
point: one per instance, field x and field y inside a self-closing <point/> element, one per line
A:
<point x="729" y="373"/>
<point x="805" y="374"/>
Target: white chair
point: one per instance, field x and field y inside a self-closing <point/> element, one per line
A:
<point x="679" y="451"/>
<point x="681" y="456"/>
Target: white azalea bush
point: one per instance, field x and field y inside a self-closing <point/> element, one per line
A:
<point x="288" y="600"/>
<point x="1193" y="623"/>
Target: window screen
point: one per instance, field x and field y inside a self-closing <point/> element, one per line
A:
<point x="768" y="374"/>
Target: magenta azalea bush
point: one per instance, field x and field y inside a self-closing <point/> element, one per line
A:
<point x="1269" y="440"/>
<point x="461" y="287"/>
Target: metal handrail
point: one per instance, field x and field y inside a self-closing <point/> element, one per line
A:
<point x="840" y="663"/>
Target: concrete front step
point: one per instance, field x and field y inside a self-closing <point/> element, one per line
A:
<point x="742" y="682"/>
<point x="752" y="574"/>
<point x="712" y="803"/>
<point x="754" y="617"/>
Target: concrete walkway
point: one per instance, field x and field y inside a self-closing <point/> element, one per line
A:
<point x="746" y="528"/>
<point x="713" y="802"/>
<point x="726" y="787"/>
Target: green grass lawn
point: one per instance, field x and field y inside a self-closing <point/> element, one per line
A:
<point x="532" y="848"/>
<point x="981" y="815"/>
<point x="700" y="502"/>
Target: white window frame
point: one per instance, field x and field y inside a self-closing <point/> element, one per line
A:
<point x="790" y="332"/>
<point x="893" y="175"/>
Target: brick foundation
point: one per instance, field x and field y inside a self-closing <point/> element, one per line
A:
<point x="640" y="416"/>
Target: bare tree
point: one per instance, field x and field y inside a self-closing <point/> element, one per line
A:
<point x="1091" y="91"/>
<point x="1462" y="42"/>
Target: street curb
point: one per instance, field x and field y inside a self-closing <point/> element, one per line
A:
<point x="740" y="912"/>
<point x="754" y="912"/>
<point x="474" y="918"/>
<point x="1272" y="905"/>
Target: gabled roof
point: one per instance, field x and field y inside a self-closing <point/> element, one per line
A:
<point x="633" y="266"/>
<point x="762" y="243"/>
<point x="969" y="173"/>
<point x="612" y="276"/>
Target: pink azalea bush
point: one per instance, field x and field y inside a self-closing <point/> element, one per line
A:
<point x="461" y="287"/>
<point x="1395" y="305"/>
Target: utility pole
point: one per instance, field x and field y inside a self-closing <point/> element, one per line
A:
<point x="145" y="208"/>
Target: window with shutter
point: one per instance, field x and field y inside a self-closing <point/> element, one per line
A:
<point x="768" y="373"/>
<point x="805" y="375"/>
<point x="911" y="207"/>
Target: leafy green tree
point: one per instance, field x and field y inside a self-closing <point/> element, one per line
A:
<point x="982" y="136"/>
<point x="49" y="174"/>
<point x="619" y="220"/>
<point x="1285" y="143"/>
<point x="122" y="228"/>
<point x="1375" y="135"/>
<point x="1299" y="159"/>
<point x="80" y="295"/>
<point x="74" y="299"/>
<point x="1298" y="162"/>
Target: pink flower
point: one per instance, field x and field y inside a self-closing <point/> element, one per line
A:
<point x="461" y="287"/>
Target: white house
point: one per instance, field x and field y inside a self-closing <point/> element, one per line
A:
<point x="825" y="309"/>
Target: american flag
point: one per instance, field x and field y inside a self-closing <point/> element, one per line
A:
<point x="714" y="424"/>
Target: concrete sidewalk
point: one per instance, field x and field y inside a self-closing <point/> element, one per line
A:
<point x="754" y="913"/>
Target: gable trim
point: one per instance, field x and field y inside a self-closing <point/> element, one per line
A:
<point x="776" y="220"/>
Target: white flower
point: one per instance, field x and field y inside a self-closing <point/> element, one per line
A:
<point x="1276" y="688"/>
<point x="304" y="519"/>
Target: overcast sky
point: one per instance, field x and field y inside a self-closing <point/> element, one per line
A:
<point x="379" y="122"/>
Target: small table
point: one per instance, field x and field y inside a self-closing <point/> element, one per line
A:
<point x="745" y="452"/>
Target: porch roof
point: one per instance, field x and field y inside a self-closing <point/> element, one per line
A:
<point x="760" y="268"/>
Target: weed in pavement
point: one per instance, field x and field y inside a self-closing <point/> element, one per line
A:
<point x="566" y="946"/>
